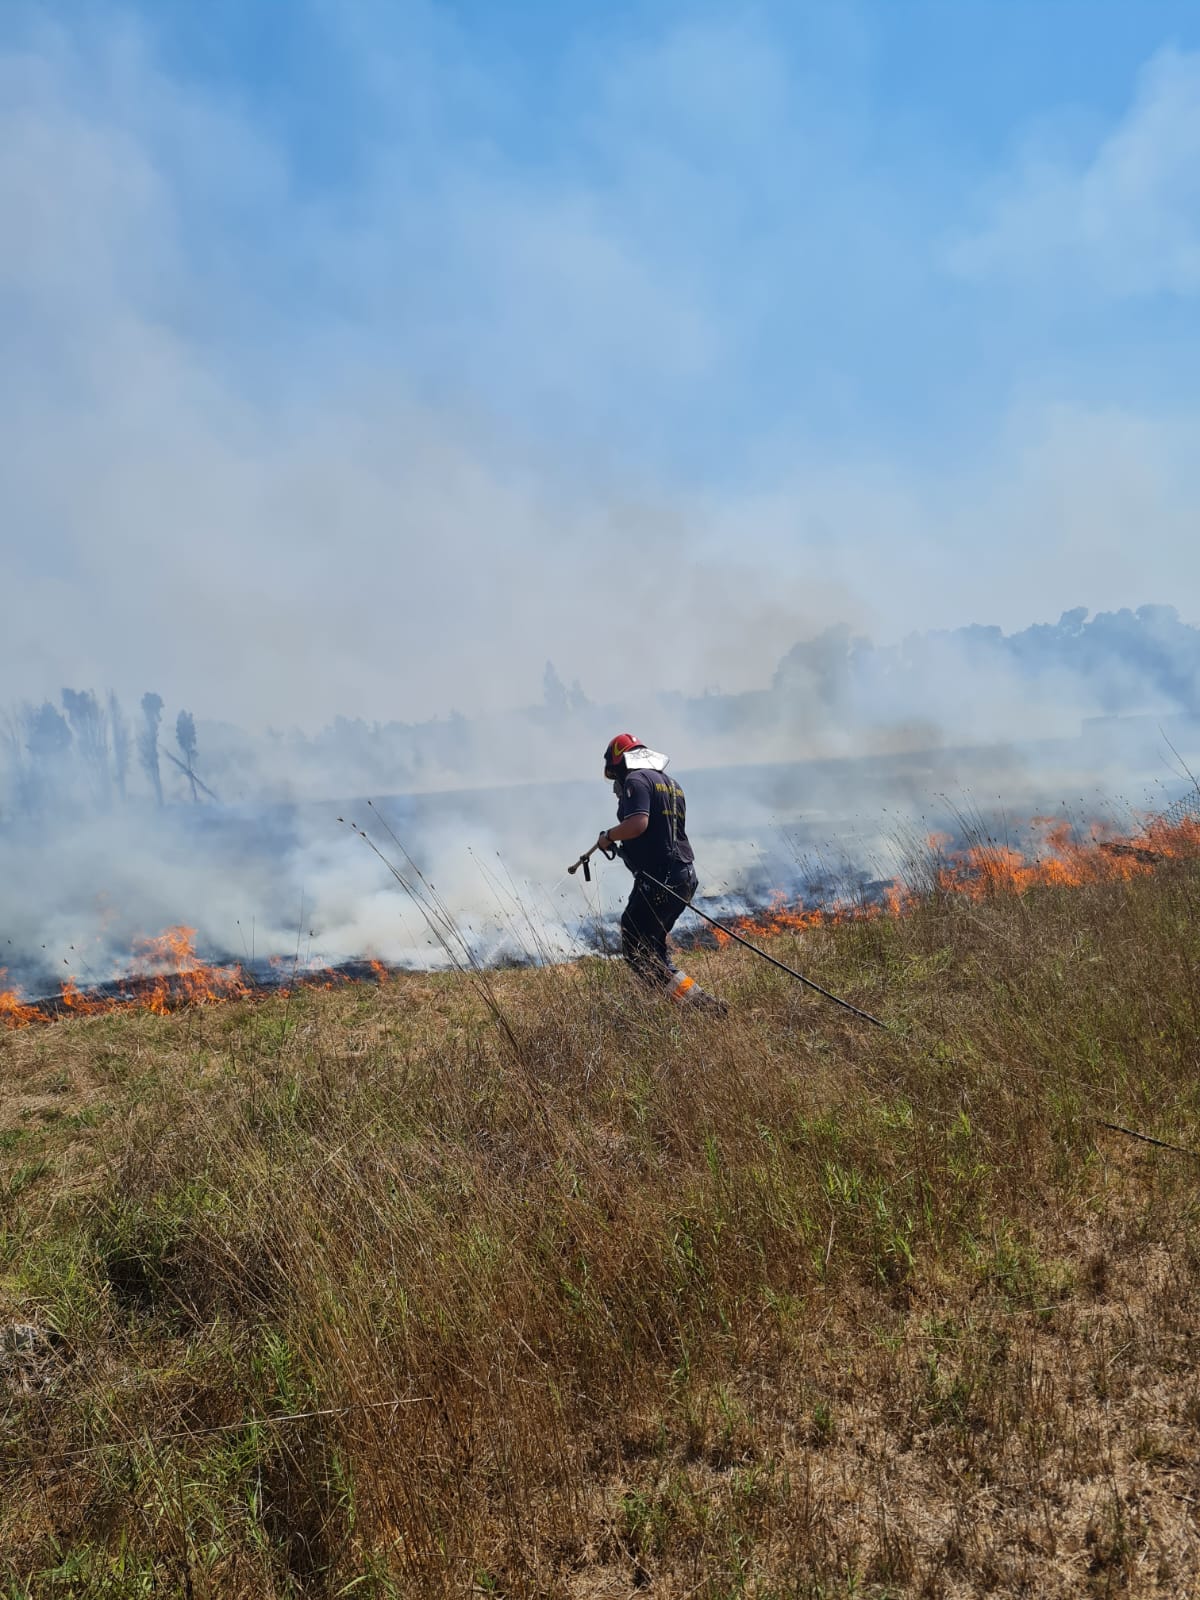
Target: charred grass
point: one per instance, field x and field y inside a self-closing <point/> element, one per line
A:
<point x="521" y="1286"/>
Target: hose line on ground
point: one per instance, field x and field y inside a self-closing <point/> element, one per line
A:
<point x="782" y="965"/>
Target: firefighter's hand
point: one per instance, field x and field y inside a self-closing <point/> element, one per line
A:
<point x="604" y="843"/>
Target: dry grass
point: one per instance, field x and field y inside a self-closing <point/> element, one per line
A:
<point x="603" y="1301"/>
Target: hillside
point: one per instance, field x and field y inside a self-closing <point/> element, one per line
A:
<point x="514" y="1284"/>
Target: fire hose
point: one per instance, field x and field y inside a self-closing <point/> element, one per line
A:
<point x="1113" y="1127"/>
<point x="611" y="853"/>
<point x="729" y="934"/>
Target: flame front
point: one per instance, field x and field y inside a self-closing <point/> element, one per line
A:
<point x="13" y="1013"/>
<point x="175" y="974"/>
<point x="167" y="973"/>
<point x="978" y="871"/>
<point x="1063" y="861"/>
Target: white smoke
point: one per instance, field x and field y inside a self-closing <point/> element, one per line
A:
<point x="284" y="449"/>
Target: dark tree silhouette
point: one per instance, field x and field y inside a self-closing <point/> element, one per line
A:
<point x="147" y="743"/>
<point x="554" y="691"/>
<point x="185" y="735"/>
<point x="185" y="738"/>
<point x="121" y="743"/>
<point x="48" y="741"/>
<point x="89" y="724"/>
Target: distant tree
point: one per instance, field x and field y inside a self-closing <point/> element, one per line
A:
<point x="47" y="733"/>
<point x="12" y="740"/>
<point x="820" y="667"/>
<point x="121" y="743"/>
<point x="48" y="741"/>
<point x="185" y="735"/>
<point x="147" y="743"/>
<point x="554" y="692"/>
<point x="185" y="738"/>
<point x="89" y="724"/>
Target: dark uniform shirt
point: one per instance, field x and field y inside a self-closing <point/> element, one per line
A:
<point x="664" y="845"/>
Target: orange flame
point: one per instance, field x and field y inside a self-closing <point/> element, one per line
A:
<point x="166" y="973"/>
<point x="14" y="1014"/>
<point x="1059" y="860"/>
<point x="175" y="975"/>
<point x="1063" y="860"/>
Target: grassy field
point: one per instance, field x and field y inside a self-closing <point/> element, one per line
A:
<point x="518" y="1285"/>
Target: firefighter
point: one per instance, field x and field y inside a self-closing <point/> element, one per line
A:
<point x="651" y="836"/>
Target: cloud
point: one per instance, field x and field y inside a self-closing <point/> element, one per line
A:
<point x="1125" y="222"/>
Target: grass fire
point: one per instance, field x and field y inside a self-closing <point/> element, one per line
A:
<point x="518" y="1282"/>
<point x="451" y="1144"/>
<point x="165" y="972"/>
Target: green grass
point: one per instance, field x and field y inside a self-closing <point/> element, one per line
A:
<point x="362" y="1293"/>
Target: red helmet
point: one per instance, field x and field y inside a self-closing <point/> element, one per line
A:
<point x="615" y="750"/>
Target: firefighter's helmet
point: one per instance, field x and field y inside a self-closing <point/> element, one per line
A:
<point x="614" y="753"/>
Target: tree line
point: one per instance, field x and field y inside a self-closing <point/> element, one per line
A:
<point x="82" y="753"/>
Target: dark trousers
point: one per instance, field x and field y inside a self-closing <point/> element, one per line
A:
<point x="649" y="917"/>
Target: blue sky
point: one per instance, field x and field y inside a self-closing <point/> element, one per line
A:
<point x="368" y="354"/>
